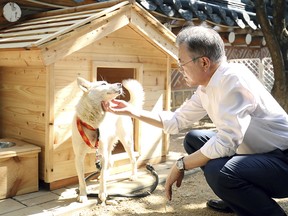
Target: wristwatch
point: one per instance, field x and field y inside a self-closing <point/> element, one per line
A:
<point x="180" y="164"/>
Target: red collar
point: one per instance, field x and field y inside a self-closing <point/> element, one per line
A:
<point x="84" y="136"/>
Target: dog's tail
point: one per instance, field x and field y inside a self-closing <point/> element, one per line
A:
<point x="136" y="92"/>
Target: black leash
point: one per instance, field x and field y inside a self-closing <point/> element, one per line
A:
<point x="149" y="167"/>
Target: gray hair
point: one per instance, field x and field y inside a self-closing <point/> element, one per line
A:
<point x="203" y="42"/>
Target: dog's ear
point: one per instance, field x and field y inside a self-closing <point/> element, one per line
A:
<point x="83" y="84"/>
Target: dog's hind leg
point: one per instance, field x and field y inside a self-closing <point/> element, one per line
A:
<point x="104" y="176"/>
<point x="128" y="145"/>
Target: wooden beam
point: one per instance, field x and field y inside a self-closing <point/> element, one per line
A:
<point x="258" y="41"/>
<point x="228" y="37"/>
<point x="244" y="39"/>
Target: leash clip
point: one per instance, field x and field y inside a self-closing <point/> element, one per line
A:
<point x="98" y="161"/>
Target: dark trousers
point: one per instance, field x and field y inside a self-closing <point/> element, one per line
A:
<point x="247" y="183"/>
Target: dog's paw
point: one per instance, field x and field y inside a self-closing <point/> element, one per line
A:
<point x="82" y="199"/>
<point x="133" y="177"/>
<point x="111" y="202"/>
<point x="102" y="196"/>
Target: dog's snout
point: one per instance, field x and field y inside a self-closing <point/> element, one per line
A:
<point x="119" y="85"/>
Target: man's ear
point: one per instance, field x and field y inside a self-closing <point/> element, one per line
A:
<point x="83" y="84"/>
<point x="205" y="62"/>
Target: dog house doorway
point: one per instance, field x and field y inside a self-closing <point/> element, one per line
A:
<point x="116" y="73"/>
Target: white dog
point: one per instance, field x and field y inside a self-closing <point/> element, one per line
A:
<point x="93" y="129"/>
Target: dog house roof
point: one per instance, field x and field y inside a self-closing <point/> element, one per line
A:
<point x="87" y="24"/>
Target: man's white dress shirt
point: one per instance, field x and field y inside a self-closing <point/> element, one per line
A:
<point x="247" y="118"/>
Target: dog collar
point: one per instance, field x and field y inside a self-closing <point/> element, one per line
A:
<point x="84" y="136"/>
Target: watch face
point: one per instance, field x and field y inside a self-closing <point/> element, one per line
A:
<point x="12" y="12"/>
<point x="180" y="164"/>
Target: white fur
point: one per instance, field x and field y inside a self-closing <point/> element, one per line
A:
<point x="112" y="128"/>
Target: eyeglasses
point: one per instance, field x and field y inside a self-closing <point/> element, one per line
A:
<point x="193" y="59"/>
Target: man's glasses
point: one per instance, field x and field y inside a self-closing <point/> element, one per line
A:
<point x="192" y="60"/>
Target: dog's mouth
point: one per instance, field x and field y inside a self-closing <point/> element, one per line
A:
<point x="115" y="92"/>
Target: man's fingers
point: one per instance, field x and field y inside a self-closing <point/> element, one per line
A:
<point x="169" y="193"/>
<point x="178" y="182"/>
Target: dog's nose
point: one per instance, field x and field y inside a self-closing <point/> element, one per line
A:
<point x="119" y="85"/>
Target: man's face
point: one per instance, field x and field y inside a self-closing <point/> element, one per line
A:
<point x="191" y="67"/>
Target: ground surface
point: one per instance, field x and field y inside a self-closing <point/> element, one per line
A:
<point x="190" y="199"/>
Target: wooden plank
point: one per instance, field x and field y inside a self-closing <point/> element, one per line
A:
<point x="42" y="26"/>
<point x="59" y="18"/>
<point x="97" y="53"/>
<point x="49" y="126"/>
<point x="30" y="94"/>
<point x="23" y="133"/>
<point x="98" y="5"/>
<point x="12" y="77"/>
<point x="23" y="58"/>
<point x="167" y="102"/>
<point x="79" y="23"/>
<point x="15" y="179"/>
<point x="128" y="47"/>
<point x="85" y="36"/>
<point x="73" y="67"/>
<point x="21" y="148"/>
<point x="30" y="32"/>
<point x="14" y="45"/>
<point x="24" y="116"/>
<point x="26" y="38"/>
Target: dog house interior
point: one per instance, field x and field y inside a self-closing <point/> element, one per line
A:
<point x="116" y="75"/>
<point x="41" y="58"/>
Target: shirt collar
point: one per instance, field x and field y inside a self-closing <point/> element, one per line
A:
<point x="214" y="81"/>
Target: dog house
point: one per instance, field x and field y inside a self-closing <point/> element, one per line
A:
<point x="41" y="58"/>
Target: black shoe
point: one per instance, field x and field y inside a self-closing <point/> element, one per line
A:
<point x="219" y="205"/>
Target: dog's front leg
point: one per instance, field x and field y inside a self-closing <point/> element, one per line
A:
<point x="103" y="180"/>
<point x="79" y="162"/>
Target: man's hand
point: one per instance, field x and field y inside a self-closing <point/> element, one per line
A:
<point x="174" y="176"/>
<point x="119" y="107"/>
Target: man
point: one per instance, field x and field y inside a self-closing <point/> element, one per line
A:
<point x="245" y="161"/>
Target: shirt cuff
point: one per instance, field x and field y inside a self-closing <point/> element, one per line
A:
<point x="169" y="122"/>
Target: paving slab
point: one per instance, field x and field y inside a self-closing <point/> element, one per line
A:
<point x="62" y="202"/>
<point x="9" y="205"/>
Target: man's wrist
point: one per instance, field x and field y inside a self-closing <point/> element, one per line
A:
<point x="180" y="164"/>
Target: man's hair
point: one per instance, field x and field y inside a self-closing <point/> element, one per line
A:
<point x="202" y="41"/>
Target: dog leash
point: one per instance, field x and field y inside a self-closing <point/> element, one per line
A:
<point x="152" y="171"/>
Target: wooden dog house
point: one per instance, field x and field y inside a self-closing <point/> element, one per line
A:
<point x="41" y="58"/>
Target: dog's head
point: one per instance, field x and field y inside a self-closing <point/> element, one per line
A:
<point x="100" y="90"/>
